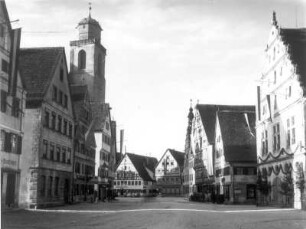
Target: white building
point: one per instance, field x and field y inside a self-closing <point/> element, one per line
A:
<point x="135" y="175"/>
<point x="281" y="112"/>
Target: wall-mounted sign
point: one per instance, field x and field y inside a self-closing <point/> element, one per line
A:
<point x="7" y="163"/>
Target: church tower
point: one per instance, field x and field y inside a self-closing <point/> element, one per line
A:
<point x="87" y="59"/>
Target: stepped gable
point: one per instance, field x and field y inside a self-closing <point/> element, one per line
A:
<point x="295" y="40"/>
<point x="238" y="139"/>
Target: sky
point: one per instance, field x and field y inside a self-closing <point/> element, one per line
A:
<point x="163" y="53"/>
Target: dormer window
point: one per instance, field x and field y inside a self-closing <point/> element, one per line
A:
<point x="82" y="59"/>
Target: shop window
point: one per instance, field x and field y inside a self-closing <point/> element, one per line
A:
<point x="251" y="191"/>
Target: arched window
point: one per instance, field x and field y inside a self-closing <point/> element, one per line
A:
<point x="82" y="59"/>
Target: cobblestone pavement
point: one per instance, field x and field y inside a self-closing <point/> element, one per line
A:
<point x="163" y="213"/>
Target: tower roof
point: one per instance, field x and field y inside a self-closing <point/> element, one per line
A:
<point x="89" y="20"/>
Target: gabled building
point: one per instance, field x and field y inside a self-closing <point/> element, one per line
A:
<point x="135" y="175"/>
<point x="235" y="156"/>
<point x="84" y="144"/>
<point x="203" y="143"/>
<point x="47" y="160"/>
<point x="169" y="173"/>
<point x="281" y="112"/>
<point x="12" y="100"/>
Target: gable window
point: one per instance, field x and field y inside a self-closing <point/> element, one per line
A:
<point x="61" y="74"/>
<point x="82" y="59"/>
<point x="60" y="97"/>
<point x="54" y="93"/>
<point x="65" y="101"/>
<point x="276" y="137"/>
<point x="3" y="101"/>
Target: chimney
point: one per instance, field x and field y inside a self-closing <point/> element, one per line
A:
<point x="121" y="140"/>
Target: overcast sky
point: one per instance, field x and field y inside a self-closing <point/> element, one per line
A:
<point x="162" y="53"/>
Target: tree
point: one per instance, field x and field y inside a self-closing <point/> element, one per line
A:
<point x="300" y="180"/>
<point x="287" y="186"/>
<point x="262" y="185"/>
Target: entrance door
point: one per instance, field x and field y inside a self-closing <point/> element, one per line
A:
<point x="10" y="189"/>
<point x="66" y="191"/>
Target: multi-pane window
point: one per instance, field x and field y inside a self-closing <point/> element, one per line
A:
<point x="276" y="137"/>
<point x="290" y="131"/>
<point x="3" y="100"/>
<point x="11" y="143"/>
<point x="15" y="107"/>
<point x="45" y="148"/>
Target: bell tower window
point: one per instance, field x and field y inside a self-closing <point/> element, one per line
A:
<point x="82" y="59"/>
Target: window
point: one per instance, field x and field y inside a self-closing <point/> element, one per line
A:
<point x="15" y="107"/>
<point x="275" y="102"/>
<point x="47" y="118"/>
<point x="65" y="101"/>
<point x="5" y="66"/>
<point x="43" y="186"/>
<point x="2" y="31"/>
<point x="276" y="137"/>
<point x="290" y="131"/>
<point x="251" y="191"/>
<point x="251" y="171"/>
<point x="58" y="153"/>
<point x="51" y="151"/>
<point x="70" y="130"/>
<point x="288" y="92"/>
<point x="61" y="74"/>
<point x="53" y="120"/>
<point x="59" y="123"/>
<point x="238" y="171"/>
<point x="64" y="155"/>
<point x="274" y="81"/>
<point x="50" y="186"/>
<point x="69" y="156"/>
<point x="77" y="167"/>
<point x="60" y="99"/>
<point x="56" y="186"/>
<point x="65" y="127"/>
<point x="264" y="142"/>
<point x="54" y="93"/>
<point x="45" y="148"/>
<point x="3" y="100"/>
<point x="82" y="59"/>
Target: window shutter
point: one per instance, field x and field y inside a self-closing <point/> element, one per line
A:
<point x="3" y="100"/>
<point x="8" y="144"/>
<point x="19" y="144"/>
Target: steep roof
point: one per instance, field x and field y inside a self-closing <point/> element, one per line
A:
<point x="178" y="156"/>
<point x="238" y="135"/>
<point x="295" y="40"/>
<point x="141" y="163"/>
<point x="91" y="21"/>
<point x="208" y="116"/>
<point x="37" y="66"/>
